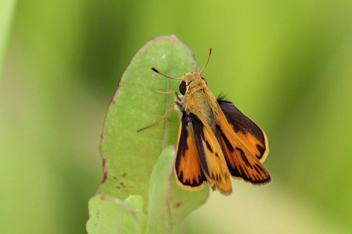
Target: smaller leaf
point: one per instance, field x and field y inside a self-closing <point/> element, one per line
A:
<point x="159" y="215"/>
<point x="111" y="215"/>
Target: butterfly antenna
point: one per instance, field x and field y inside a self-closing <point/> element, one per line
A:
<point x="157" y="71"/>
<point x="209" y="53"/>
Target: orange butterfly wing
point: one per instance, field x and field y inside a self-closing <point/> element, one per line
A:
<point x="241" y="161"/>
<point x="249" y="133"/>
<point x="199" y="157"/>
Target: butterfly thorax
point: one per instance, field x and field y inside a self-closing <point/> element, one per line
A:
<point x="198" y="99"/>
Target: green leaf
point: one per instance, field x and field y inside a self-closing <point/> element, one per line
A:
<point x="111" y="215"/>
<point x="130" y="156"/>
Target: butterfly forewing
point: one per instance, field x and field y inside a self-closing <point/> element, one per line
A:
<point x="240" y="160"/>
<point x="249" y="133"/>
<point x="188" y="166"/>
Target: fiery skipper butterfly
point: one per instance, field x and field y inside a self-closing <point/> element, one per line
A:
<point x="215" y="139"/>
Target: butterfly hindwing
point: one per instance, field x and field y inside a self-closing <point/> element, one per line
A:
<point x="249" y="133"/>
<point x="240" y="160"/>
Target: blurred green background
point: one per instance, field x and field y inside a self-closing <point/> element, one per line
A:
<point x="285" y="64"/>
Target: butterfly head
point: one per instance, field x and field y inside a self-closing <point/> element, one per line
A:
<point x="189" y="80"/>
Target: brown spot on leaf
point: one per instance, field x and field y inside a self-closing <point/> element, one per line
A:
<point x="104" y="178"/>
<point x="105" y="173"/>
<point x="178" y="204"/>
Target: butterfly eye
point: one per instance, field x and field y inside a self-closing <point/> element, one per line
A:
<point x="182" y="87"/>
<point x="205" y="81"/>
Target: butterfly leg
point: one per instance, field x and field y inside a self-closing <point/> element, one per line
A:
<point x="170" y="92"/>
<point x="174" y="103"/>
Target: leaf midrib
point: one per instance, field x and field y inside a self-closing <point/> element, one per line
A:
<point x="167" y="96"/>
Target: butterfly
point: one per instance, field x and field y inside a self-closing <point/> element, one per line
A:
<point x="216" y="141"/>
